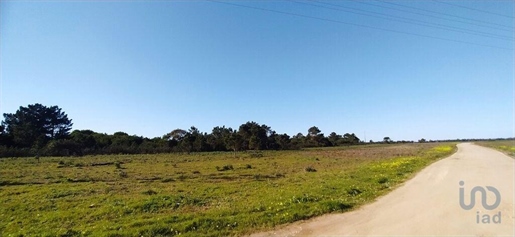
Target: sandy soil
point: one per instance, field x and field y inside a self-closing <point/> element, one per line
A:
<point x="429" y="203"/>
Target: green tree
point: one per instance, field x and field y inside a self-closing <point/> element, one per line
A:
<point x="63" y="147"/>
<point x="387" y="140"/>
<point x="335" y="139"/>
<point x="5" y="138"/>
<point x="84" y="137"/>
<point x="283" y="141"/>
<point x="102" y="140"/>
<point x="297" y="141"/>
<point x="313" y="131"/>
<point x="123" y="143"/>
<point x="34" y="125"/>
<point x="235" y="142"/>
<point x="218" y="138"/>
<point x="177" y="134"/>
<point x="197" y="140"/>
<point x="186" y="139"/>
<point x="350" y="139"/>
<point x="315" y="138"/>
<point x="255" y="136"/>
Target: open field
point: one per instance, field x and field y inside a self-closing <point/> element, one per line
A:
<point x="506" y="146"/>
<point x="200" y="194"/>
<point x="429" y="203"/>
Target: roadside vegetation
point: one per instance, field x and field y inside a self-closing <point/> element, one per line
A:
<point x="506" y="146"/>
<point x="198" y="194"/>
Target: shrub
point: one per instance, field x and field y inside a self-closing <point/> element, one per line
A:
<point x="225" y="168"/>
<point x="150" y="192"/>
<point x="256" y="154"/>
<point x="279" y="175"/>
<point x="336" y="206"/>
<point x="123" y="174"/>
<point x="182" y="177"/>
<point x="71" y="233"/>
<point x="167" y="180"/>
<point x="353" y="191"/>
<point x="382" y="180"/>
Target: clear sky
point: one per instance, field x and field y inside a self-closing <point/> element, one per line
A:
<point x="403" y="69"/>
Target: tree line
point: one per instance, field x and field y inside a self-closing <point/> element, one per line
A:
<point x="38" y="130"/>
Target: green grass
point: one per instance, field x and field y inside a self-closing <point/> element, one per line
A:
<point x="506" y="146"/>
<point x="202" y="194"/>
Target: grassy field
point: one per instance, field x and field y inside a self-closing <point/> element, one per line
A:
<point x="202" y="194"/>
<point x="506" y="146"/>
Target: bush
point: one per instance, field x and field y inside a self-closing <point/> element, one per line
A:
<point x="15" y="152"/>
<point x="225" y="168"/>
<point x="279" y="175"/>
<point x="354" y="191"/>
<point x="256" y="154"/>
<point x="167" y="180"/>
<point x="123" y="174"/>
<point x="336" y="206"/>
<point x="71" y="233"/>
<point x="382" y="180"/>
<point x="150" y="192"/>
<point x="310" y="169"/>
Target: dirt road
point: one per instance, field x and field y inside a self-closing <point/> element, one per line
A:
<point x="429" y="204"/>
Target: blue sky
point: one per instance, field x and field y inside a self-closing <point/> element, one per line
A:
<point x="146" y="68"/>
